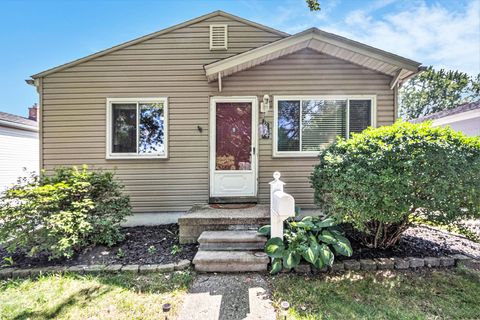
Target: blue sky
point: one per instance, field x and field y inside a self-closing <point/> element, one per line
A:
<point x="40" y="34"/>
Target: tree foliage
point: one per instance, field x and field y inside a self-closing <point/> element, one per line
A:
<point x="382" y="179"/>
<point x="59" y="214"/>
<point x="313" y="5"/>
<point x="433" y="91"/>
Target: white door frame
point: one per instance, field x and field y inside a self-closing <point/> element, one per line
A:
<point x="254" y="149"/>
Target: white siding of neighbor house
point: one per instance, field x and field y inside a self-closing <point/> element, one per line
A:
<point x="18" y="151"/>
<point x="470" y="127"/>
<point x="171" y="65"/>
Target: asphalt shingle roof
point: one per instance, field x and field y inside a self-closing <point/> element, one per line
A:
<point x="442" y="114"/>
<point x="14" y="119"/>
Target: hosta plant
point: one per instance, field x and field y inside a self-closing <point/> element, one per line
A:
<point x="312" y="239"/>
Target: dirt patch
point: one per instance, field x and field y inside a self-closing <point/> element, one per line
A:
<point x="142" y="245"/>
<point x="421" y="241"/>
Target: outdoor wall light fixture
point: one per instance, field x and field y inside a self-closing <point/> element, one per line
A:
<point x="265" y="104"/>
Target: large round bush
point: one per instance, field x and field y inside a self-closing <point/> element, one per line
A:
<point x="61" y="213"/>
<point x="382" y="179"/>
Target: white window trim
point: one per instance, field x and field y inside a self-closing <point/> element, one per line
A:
<point x="109" y="154"/>
<point x="286" y="154"/>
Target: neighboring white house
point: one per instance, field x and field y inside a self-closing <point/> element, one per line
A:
<point x="464" y="118"/>
<point x="19" y="153"/>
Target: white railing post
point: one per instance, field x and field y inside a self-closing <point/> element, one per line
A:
<point x="282" y="206"/>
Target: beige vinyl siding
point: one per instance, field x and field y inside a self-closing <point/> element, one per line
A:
<point x="171" y="65"/>
<point x="306" y="73"/>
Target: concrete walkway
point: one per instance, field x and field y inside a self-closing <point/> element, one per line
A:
<point x="228" y="297"/>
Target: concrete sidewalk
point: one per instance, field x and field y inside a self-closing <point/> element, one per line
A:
<point x="228" y="297"/>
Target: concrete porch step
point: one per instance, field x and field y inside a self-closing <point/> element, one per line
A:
<point x="231" y="240"/>
<point x="230" y="261"/>
<point x="205" y="218"/>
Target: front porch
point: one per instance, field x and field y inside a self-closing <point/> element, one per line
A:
<point x="204" y="217"/>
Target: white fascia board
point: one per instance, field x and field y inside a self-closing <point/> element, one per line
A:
<point x="467" y="115"/>
<point x="212" y="70"/>
<point x="18" y="126"/>
<point x="369" y="53"/>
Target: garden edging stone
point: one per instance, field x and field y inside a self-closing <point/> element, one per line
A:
<point x="7" y="273"/>
<point x="182" y="264"/>
<point x="337" y="267"/>
<point x="351" y="264"/>
<point x="393" y="263"/>
<point x="368" y="264"/>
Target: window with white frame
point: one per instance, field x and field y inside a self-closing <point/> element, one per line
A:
<point x="137" y="128"/>
<point x="304" y="126"/>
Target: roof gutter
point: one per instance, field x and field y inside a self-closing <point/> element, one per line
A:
<point x="34" y="82"/>
<point x="18" y="126"/>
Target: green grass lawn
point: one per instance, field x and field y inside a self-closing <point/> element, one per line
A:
<point x="448" y="294"/>
<point x="428" y="294"/>
<point x="122" y="296"/>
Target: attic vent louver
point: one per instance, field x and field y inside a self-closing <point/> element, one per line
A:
<point x="218" y="36"/>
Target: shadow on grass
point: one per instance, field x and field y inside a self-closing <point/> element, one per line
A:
<point x="139" y="283"/>
<point x="444" y="294"/>
<point x="82" y="296"/>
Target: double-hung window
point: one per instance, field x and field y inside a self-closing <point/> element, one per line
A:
<point x="137" y="128"/>
<point x="305" y="125"/>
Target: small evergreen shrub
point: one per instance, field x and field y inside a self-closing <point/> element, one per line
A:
<point x="61" y="213"/>
<point x="381" y="180"/>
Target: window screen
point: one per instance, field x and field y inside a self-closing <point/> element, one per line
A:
<point x="360" y="115"/>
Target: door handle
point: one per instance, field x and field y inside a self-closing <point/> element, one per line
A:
<point x="253" y="150"/>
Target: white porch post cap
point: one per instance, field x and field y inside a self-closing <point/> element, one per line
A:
<point x="276" y="177"/>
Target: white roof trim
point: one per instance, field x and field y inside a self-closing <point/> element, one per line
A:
<point x="466" y="115"/>
<point x="321" y="41"/>
<point x="20" y="126"/>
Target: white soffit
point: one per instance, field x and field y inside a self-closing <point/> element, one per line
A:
<point x="327" y="43"/>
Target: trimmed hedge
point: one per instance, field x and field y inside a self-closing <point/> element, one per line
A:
<point x="382" y="179"/>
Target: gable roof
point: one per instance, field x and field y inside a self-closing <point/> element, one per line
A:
<point x="14" y="121"/>
<point x="155" y="34"/>
<point x="470" y="106"/>
<point x="340" y="47"/>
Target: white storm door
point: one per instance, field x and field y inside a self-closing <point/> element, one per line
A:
<point x="233" y="147"/>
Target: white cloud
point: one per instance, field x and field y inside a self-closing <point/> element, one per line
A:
<point x="429" y="33"/>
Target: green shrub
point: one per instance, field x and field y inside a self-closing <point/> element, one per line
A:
<point x="59" y="214"/>
<point x="382" y="179"/>
<point x="315" y="240"/>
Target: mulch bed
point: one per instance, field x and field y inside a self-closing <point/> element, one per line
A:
<point x="142" y="245"/>
<point x="420" y="242"/>
<point x="154" y="244"/>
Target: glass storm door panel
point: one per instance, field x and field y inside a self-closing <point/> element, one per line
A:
<point x="233" y="153"/>
<point x="233" y="136"/>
